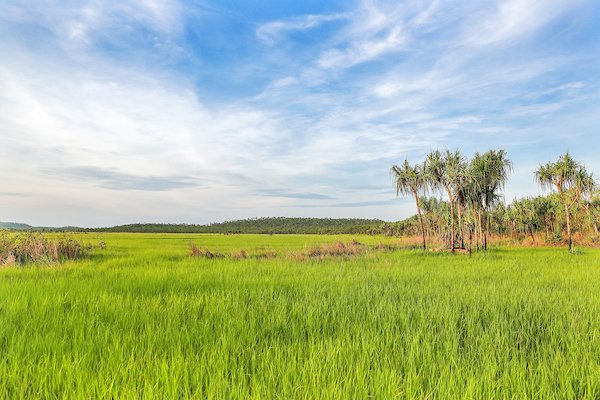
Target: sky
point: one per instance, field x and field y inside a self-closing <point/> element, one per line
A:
<point x="126" y="111"/>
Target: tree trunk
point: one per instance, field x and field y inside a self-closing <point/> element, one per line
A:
<point x="568" y="216"/>
<point x="451" y="219"/>
<point x="471" y="240"/>
<point x="531" y="234"/>
<point x="480" y="229"/>
<point x="420" y="222"/>
<point x="460" y="230"/>
<point x="486" y="231"/>
<point x="475" y="227"/>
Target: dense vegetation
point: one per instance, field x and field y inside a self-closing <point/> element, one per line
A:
<point x="282" y="225"/>
<point x="265" y="225"/>
<point x="143" y="319"/>
<point x="474" y="209"/>
<point x="530" y="220"/>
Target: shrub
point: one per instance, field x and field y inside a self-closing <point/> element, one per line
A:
<point x="240" y="255"/>
<point x="33" y="248"/>
<point x="196" y="251"/>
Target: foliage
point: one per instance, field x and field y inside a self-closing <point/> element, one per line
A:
<point x="571" y="181"/>
<point x="412" y="180"/>
<point x="471" y="185"/>
<point x="474" y="189"/>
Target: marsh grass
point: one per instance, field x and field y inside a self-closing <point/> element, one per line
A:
<point x="146" y="320"/>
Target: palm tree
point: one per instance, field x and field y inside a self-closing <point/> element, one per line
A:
<point x="472" y="197"/>
<point x="446" y="172"/>
<point x="463" y="200"/>
<point x="571" y="181"/>
<point x="488" y="173"/>
<point x="500" y="168"/>
<point x="411" y="180"/>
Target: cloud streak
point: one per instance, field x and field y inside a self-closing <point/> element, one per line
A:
<point x="272" y="32"/>
<point x="293" y="195"/>
<point x="117" y="180"/>
<point x="373" y="203"/>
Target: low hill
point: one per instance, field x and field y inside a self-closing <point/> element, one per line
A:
<point x="14" y="225"/>
<point x="282" y="225"/>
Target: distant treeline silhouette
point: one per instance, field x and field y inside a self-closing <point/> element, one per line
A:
<point x="266" y="225"/>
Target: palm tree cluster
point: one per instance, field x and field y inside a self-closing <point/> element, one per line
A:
<point x="473" y="187"/>
<point x="474" y="208"/>
<point x="572" y="183"/>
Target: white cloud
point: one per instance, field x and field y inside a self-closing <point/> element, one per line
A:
<point x="363" y="50"/>
<point x="514" y="20"/>
<point x="78" y="24"/>
<point x="272" y="32"/>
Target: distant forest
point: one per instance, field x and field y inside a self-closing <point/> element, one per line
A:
<point x="268" y="225"/>
<point x="265" y="225"/>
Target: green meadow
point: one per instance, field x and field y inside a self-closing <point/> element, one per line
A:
<point x="143" y="319"/>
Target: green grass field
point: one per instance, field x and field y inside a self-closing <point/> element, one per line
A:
<point x="142" y="319"/>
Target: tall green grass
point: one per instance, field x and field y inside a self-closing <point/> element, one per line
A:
<point x="142" y="319"/>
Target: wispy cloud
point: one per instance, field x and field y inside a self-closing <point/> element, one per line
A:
<point x="85" y="22"/>
<point x="292" y="194"/>
<point x="271" y="32"/>
<point x="373" y="203"/>
<point x="513" y="20"/>
<point x="115" y="179"/>
<point x="12" y="194"/>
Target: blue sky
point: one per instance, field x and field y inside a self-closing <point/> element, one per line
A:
<point x="202" y="111"/>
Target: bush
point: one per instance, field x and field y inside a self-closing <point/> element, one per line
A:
<point x="240" y="255"/>
<point x="34" y="248"/>
<point x="196" y="251"/>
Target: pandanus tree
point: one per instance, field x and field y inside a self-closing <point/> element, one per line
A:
<point x="445" y="172"/>
<point x="411" y="180"/>
<point x="488" y="174"/>
<point x="570" y="179"/>
<point x="473" y="197"/>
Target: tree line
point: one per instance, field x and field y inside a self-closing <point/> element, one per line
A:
<point x="473" y="207"/>
<point x="265" y="225"/>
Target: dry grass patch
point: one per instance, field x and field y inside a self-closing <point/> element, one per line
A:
<point x="196" y="251"/>
<point x="353" y="248"/>
<point x="32" y="248"/>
